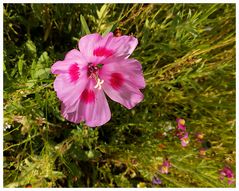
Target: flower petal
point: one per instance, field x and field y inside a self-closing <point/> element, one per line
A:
<point x="88" y="43"/>
<point x="73" y="56"/>
<point x="60" y="67"/>
<point x="122" y="46"/>
<point x="71" y="112"/>
<point x="130" y="68"/>
<point x="92" y="107"/>
<point x="96" y="45"/>
<point x="67" y="91"/>
<point x="122" y="80"/>
<point x="127" y="95"/>
<point x="182" y="127"/>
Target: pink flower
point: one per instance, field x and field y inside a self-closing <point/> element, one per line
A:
<point x="165" y="167"/>
<point x="100" y="67"/>
<point x="185" y="140"/>
<point x="227" y="172"/>
<point x="181" y="124"/>
<point x="181" y="132"/>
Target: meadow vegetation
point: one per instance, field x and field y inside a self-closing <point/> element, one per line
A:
<point x="187" y="52"/>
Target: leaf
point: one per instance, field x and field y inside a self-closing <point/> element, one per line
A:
<point x="31" y="47"/>
<point x="40" y="69"/>
<point x="42" y="73"/>
<point x="84" y="25"/>
<point x="110" y="28"/>
<point x="33" y="68"/>
<point x="30" y="83"/>
<point x="101" y="14"/>
<point x="20" y="63"/>
<point x="43" y="61"/>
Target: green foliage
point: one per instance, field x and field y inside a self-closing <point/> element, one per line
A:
<point x="188" y="56"/>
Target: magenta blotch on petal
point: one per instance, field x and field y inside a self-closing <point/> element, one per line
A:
<point x="74" y="72"/>
<point x="88" y="96"/>
<point x="102" y="51"/>
<point x="116" y="80"/>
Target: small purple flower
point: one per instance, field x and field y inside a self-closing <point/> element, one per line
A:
<point x="228" y="173"/>
<point x="165" y="167"/>
<point x="181" y="124"/>
<point x="185" y="140"/>
<point x="181" y="132"/>
<point x="156" y="180"/>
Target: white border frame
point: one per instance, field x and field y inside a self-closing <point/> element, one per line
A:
<point x="122" y="1"/>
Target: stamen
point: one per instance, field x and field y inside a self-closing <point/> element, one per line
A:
<point x="99" y="83"/>
<point x="93" y="72"/>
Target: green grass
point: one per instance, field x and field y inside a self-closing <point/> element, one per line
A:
<point x="188" y="56"/>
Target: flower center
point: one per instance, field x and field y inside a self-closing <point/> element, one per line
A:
<point x="93" y="72"/>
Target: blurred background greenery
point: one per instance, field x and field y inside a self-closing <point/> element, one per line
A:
<point x="188" y="56"/>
